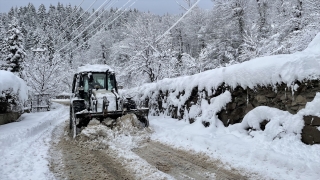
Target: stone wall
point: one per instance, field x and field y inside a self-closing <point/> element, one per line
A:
<point x="311" y="131"/>
<point x="6" y="115"/>
<point x="291" y="99"/>
<point x="280" y="96"/>
<point x="9" y="117"/>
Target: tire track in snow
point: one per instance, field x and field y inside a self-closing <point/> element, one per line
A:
<point x="71" y="161"/>
<point x="185" y="165"/>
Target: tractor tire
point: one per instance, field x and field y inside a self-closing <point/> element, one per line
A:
<point x="70" y="118"/>
<point x="143" y="119"/>
<point x="76" y="106"/>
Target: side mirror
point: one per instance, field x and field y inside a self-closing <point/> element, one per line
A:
<point x="91" y="79"/>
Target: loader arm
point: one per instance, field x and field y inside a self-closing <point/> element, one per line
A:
<point x="84" y="117"/>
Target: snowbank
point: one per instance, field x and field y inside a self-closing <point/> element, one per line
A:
<point x="24" y="145"/>
<point x="281" y="123"/>
<point x="10" y="81"/>
<point x="274" y="153"/>
<point x="206" y="111"/>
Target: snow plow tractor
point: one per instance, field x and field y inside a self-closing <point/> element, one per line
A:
<point x="95" y="96"/>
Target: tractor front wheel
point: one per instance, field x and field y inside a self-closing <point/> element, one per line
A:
<point x="76" y="106"/>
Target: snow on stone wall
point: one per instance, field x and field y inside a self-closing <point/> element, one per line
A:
<point x="13" y="92"/>
<point x="10" y="81"/>
<point x="193" y="97"/>
<point x="263" y="71"/>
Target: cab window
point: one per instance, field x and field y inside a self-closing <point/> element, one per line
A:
<point x="110" y="82"/>
<point x="98" y="79"/>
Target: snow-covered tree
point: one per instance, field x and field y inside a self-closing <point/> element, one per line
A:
<point x="2" y="39"/>
<point x="45" y="75"/>
<point x="42" y="16"/>
<point x="233" y="31"/>
<point x="145" y="57"/>
<point x="13" y="49"/>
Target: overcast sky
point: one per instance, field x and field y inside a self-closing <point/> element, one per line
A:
<point x="154" y="6"/>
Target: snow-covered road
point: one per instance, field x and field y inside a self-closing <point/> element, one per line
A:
<point x="24" y="145"/>
<point x="25" y="148"/>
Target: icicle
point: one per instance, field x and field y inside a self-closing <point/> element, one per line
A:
<point x="247" y="97"/>
<point x="285" y="93"/>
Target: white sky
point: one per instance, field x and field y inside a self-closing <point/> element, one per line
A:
<point x="154" y="6"/>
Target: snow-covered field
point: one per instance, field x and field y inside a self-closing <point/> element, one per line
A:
<point x="24" y="145"/>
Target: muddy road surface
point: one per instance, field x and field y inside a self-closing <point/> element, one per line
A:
<point x="70" y="160"/>
<point x="127" y="154"/>
<point x="183" y="164"/>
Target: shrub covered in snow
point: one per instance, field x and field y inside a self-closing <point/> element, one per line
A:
<point x="13" y="92"/>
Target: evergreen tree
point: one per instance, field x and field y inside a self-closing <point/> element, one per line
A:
<point x="2" y="46"/>
<point x="13" y="49"/>
<point x="11" y="13"/>
<point x="42" y="16"/>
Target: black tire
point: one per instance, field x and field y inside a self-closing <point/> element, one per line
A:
<point x="76" y="106"/>
<point x="70" y="118"/>
<point x="143" y="119"/>
<point x="75" y="130"/>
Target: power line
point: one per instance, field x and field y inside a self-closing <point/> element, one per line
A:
<point x="166" y="32"/>
<point x="77" y="19"/>
<point x="160" y="36"/>
<point x="189" y="10"/>
<point x="102" y="5"/>
<point x="85" y="20"/>
<point x="81" y="32"/>
<point x="104" y="9"/>
<point x="107" y="24"/>
<point x="127" y="25"/>
<point x="71" y="14"/>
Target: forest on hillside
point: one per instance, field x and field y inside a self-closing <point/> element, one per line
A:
<point x="45" y="45"/>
